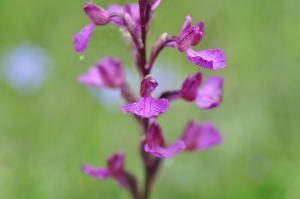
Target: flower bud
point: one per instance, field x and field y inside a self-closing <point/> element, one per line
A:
<point x="97" y="15"/>
<point x="148" y="85"/>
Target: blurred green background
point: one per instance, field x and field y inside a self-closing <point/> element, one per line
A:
<point x="46" y="135"/>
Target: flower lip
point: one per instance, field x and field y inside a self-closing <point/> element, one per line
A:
<point x="147" y="107"/>
<point x="96" y="14"/>
<point x="213" y="59"/>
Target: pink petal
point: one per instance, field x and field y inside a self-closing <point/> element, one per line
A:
<point x="121" y="180"/>
<point x="200" y="33"/>
<point x="92" y="78"/>
<point x="116" y="8"/>
<point x="155" y="5"/>
<point x="101" y="173"/>
<point x="210" y="95"/>
<point x="97" y="15"/>
<point x="82" y="38"/>
<point x="201" y="137"/>
<point x="165" y="152"/>
<point x="187" y="24"/>
<point x="209" y="136"/>
<point x="147" y="107"/>
<point x="212" y="58"/>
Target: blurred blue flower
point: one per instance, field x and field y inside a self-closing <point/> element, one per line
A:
<point x="26" y="67"/>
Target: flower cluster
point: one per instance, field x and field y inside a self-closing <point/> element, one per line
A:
<point x="109" y="72"/>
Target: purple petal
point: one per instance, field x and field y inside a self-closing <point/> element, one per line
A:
<point x="210" y="95"/>
<point x="199" y="34"/>
<point x="154" y="134"/>
<point x="147" y="86"/>
<point x="201" y="137"/>
<point x="101" y="173"/>
<point x="115" y="164"/>
<point x="165" y="152"/>
<point x="155" y="5"/>
<point x="121" y="180"/>
<point x="187" y="24"/>
<point x="96" y="14"/>
<point x="133" y="10"/>
<point x="189" y="89"/>
<point x="117" y="9"/>
<point x="111" y="70"/>
<point x="209" y="136"/>
<point x="212" y="58"/>
<point x="82" y="38"/>
<point x="191" y="136"/>
<point x="147" y="107"/>
<point x="92" y="78"/>
<point x="185" y="39"/>
<point x="172" y="44"/>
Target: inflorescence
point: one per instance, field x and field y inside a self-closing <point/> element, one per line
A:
<point x="109" y="72"/>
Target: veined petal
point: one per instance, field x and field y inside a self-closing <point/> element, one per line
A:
<point x="210" y="95"/>
<point x="147" y="107"/>
<point x="82" y="38"/>
<point x="92" y="78"/>
<point x="186" y="39"/>
<point x="101" y="173"/>
<point x="212" y="58"/>
<point x="161" y="152"/>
